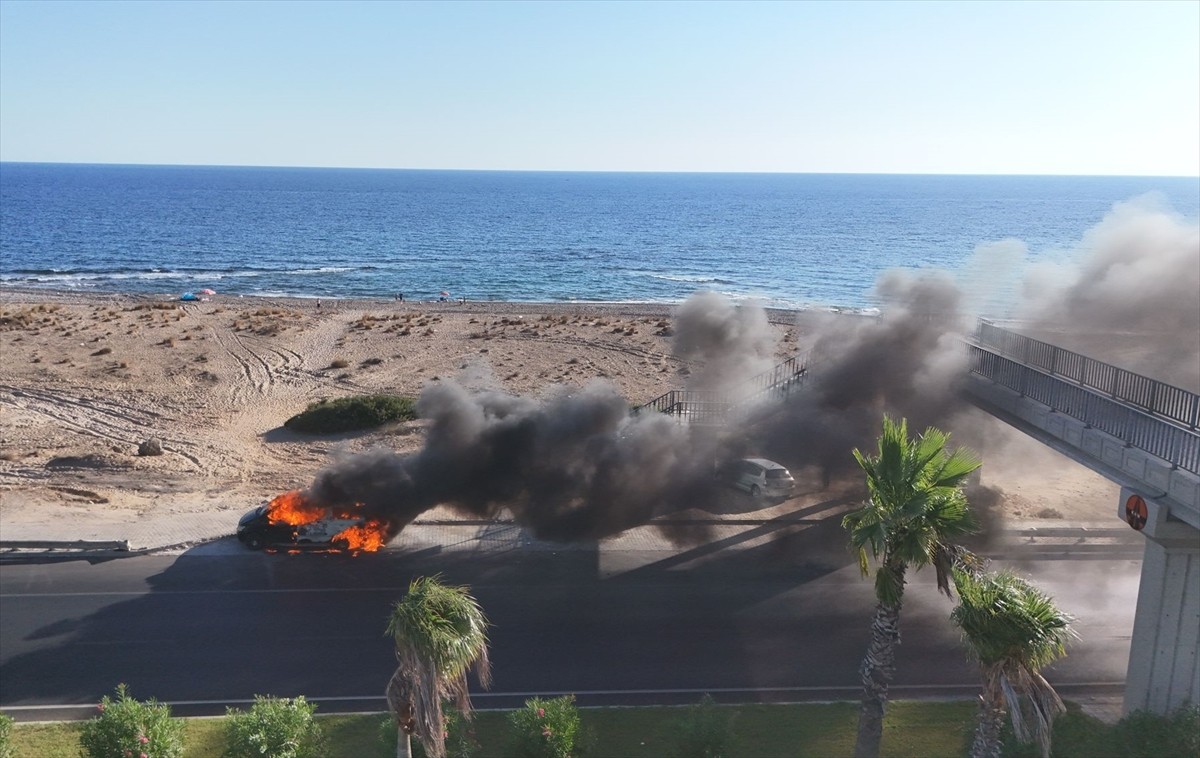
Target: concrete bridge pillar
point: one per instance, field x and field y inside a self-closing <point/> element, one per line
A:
<point x="1164" y="659"/>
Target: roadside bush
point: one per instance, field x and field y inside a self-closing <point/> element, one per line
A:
<point x="1138" y="735"/>
<point x="278" y="727"/>
<point x="545" y="729"/>
<point x="347" y="414"/>
<point x="128" y="727"/>
<point x="6" y="748"/>
<point x="1148" y="734"/>
<point x="704" y="731"/>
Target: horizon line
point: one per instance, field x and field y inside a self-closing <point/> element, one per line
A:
<point x="591" y="171"/>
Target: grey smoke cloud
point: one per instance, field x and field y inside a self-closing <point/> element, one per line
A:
<point x="1139" y="275"/>
<point x="904" y="363"/>
<point x="731" y="343"/>
<point x="993" y="277"/>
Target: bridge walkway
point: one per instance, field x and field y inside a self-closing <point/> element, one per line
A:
<point x="1141" y="433"/>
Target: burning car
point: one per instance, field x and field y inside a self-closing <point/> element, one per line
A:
<point x="292" y="521"/>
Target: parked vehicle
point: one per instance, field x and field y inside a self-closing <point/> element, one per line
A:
<point x="257" y="531"/>
<point x="758" y="476"/>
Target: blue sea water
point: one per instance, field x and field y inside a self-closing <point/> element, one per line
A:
<point x="791" y="240"/>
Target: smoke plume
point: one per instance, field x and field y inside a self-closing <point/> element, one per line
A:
<point x="578" y="465"/>
<point x="730" y="344"/>
<point x="1135" y="298"/>
<point x="575" y="466"/>
<point x="903" y="363"/>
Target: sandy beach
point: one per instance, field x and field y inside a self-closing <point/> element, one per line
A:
<point x="86" y="378"/>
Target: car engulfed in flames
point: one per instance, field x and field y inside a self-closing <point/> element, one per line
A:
<point x="292" y="521"/>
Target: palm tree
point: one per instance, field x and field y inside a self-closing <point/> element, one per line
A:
<point x="915" y="511"/>
<point x="440" y="633"/>
<point x="1014" y="630"/>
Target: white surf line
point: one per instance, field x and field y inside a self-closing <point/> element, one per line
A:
<point x="578" y="693"/>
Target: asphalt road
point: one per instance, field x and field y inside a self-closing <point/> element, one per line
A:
<point x="217" y="625"/>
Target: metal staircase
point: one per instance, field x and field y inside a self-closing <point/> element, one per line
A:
<point x="712" y="407"/>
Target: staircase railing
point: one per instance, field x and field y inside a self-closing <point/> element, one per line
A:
<point x="712" y="406"/>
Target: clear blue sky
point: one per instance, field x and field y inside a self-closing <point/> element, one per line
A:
<point x="942" y="87"/>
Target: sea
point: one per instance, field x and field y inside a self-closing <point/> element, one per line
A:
<point x="785" y="240"/>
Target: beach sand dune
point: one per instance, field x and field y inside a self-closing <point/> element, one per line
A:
<point x="87" y="379"/>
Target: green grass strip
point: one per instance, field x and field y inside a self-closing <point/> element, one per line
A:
<point x="930" y="729"/>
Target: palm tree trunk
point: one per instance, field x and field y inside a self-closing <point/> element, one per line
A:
<point x="991" y="720"/>
<point x="878" y="667"/>
<point x="400" y="706"/>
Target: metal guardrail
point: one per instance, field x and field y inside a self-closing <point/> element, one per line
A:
<point x="1178" y="446"/>
<point x="712" y="407"/>
<point x="82" y="545"/>
<point x="1150" y="395"/>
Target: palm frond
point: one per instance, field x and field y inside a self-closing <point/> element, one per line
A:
<point x="889" y="584"/>
<point x="954" y="469"/>
<point x="916" y="507"/>
<point x="1014" y="630"/>
<point x="1002" y="617"/>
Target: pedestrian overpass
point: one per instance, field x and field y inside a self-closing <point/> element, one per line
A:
<point x="1134" y="430"/>
<point x="1142" y="434"/>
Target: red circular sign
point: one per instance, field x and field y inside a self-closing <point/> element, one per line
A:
<point x="1135" y="512"/>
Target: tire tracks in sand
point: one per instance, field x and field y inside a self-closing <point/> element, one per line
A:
<point x="103" y="418"/>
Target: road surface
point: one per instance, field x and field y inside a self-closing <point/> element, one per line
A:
<point x="779" y="621"/>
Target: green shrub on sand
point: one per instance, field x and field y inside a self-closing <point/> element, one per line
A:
<point x="348" y="414"/>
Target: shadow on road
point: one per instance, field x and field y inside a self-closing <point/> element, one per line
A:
<point x="217" y="624"/>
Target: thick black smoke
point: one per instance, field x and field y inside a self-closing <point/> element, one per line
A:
<point x="904" y="363"/>
<point x="576" y="466"/>
<point x="579" y="466"/>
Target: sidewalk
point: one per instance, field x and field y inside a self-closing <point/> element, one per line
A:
<point x="443" y="528"/>
<point x="155" y="533"/>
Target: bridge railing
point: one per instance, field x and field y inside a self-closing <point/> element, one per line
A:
<point x="1171" y="442"/>
<point x="1150" y="395"/>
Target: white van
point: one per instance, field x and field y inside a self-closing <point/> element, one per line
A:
<point x="760" y="477"/>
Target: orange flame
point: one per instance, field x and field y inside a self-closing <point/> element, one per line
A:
<point x="368" y="537"/>
<point x="291" y="508"/>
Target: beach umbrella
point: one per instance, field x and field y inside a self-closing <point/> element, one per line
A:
<point x="444" y="293"/>
<point x="207" y="291"/>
